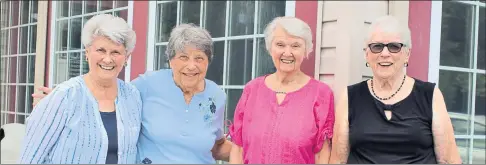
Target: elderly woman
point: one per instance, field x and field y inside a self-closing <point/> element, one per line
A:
<point x="93" y="118"/>
<point x="182" y="116"/>
<point x="392" y="118"/>
<point x="284" y="117"/>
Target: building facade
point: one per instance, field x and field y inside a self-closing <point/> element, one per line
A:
<point x="40" y="45"/>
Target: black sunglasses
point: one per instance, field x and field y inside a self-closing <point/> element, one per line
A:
<point x="393" y="47"/>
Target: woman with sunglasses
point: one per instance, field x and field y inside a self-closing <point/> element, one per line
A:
<point x="392" y="118"/>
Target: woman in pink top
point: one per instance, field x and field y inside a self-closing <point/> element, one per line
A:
<point x="284" y="117"/>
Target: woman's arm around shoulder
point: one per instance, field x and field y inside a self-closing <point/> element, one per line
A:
<point x="444" y="142"/>
<point x="340" y="142"/>
<point x="45" y="124"/>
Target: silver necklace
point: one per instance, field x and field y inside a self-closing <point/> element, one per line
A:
<point x="282" y="92"/>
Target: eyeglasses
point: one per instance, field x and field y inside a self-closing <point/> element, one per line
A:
<point x="393" y="47"/>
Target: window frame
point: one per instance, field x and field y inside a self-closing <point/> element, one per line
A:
<point x="7" y="85"/>
<point x="435" y="67"/>
<point x="53" y="34"/>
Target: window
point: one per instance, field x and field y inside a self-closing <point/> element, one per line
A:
<point x="237" y="31"/>
<point x="460" y="71"/>
<point x="68" y="59"/>
<point x="17" y="59"/>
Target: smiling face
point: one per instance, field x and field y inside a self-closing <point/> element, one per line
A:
<point x="189" y="68"/>
<point x="287" y="51"/>
<point x="105" y="58"/>
<point x="389" y="62"/>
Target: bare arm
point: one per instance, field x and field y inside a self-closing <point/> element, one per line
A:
<point x="443" y="133"/>
<point x="322" y="157"/>
<point x="221" y="149"/>
<point x="236" y="156"/>
<point x="340" y="141"/>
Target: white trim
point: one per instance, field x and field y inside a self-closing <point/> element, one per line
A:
<point x="226" y="42"/>
<point x="89" y="14"/>
<point x="254" y="45"/>
<point x="435" y="34"/>
<point x="53" y="42"/>
<point x="19" y="26"/>
<point x="290" y="8"/>
<point x="239" y="37"/>
<point x="128" y="68"/>
<point x="458" y="69"/>
<point x="152" y="14"/>
<point x="317" y="51"/>
<point x="470" y="137"/>
<point x="475" y="3"/>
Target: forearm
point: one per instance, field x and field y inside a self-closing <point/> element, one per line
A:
<point x="222" y="150"/>
<point x="322" y="157"/>
<point x="236" y="155"/>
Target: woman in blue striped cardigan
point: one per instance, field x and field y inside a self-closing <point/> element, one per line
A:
<point x="93" y="118"/>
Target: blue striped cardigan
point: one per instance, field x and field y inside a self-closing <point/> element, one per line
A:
<point x="66" y="127"/>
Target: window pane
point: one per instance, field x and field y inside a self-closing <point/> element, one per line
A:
<point x="75" y="30"/>
<point x="90" y="6"/>
<point x="5" y="13"/>
<point x="4" y="43"/>
<point x="481" y="44"/>
<point x="264" y="63"/>
<point x="479" y="125"/>
<point x="86" y="18"/>
<point x="479" y="151"/>
<point x="242" y="14"/>
<point x="215" y="70"/>
<point x="15" y="13"/>
<point x="22" y="73"/>
<point x="239" y="62"/>
<point x="33" y="11"/>
<point x="233" y="98"/>
<point x="456" y="37"/>
<point x="166" y="20"/>
<point x="28" y="102"/>
<point x="3" y="97"/>
<point x="121" y="4"/>
<point x="3" y="70"/>
<point x="10" y="118"/>
<point x="24" y="31"/>
<point x="215" y="18"/>
<point x="267" y="11"/>
<point x="20" y="119"/>
<point x="76" y="8"/>
<point x="74" y="64"/>
<point x="85" y="65"/>
<point x="63" y="8"/>
<point x="21" y="99"/>
<point x="24" y="12"/>
<point x="455" y="88"/>
<point x="160" y="58"/>
<point x="11" y="100"/>
<point x="31" y="68"/>
<point x="14" y="34"/>
<point x="32" y="38"/>
<point x="12" y="70"/>
<point x="463" y="147"/>
<point x="62" y="31"/>
<point x="122" y="14"/>
<point x="190" y="12"/>
<point x="106" y="5"/>
<point x="61" y="68"/>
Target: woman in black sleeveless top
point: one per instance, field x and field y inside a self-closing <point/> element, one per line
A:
<point x="392" y="118"/>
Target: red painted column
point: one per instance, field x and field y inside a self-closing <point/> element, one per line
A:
<point x="419" y="23"/>
<point x="140" y="26"/>
<point x="307" y="11"/>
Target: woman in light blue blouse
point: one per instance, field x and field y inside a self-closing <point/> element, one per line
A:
<point x="93" y="118"/>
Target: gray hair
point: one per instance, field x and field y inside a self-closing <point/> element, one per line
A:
<point x="114" y="28"/>
<point x="189" y="35"/>
<point x="294" y="27"/>
<point x="391" y="24"/>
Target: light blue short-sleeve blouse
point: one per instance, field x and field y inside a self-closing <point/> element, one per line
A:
<point x="174" y="132"/>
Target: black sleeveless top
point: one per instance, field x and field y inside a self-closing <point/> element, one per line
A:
<point x="404" y="139"/>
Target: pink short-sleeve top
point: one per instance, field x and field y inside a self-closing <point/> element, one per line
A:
<point x="291" y="132"/>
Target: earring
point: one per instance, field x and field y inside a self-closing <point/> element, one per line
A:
<point x="125" y="64"/>
<point x="406" y="64"/>
<point x="86" y="59"/>
<point x="367" y="64"/>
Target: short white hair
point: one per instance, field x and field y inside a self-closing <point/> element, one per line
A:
<point x="294" y="27"/>
<point x="114" y="28"/>
<point x="390" y="24"/>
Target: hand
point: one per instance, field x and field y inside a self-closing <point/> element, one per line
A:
<point x="43" y="92"/>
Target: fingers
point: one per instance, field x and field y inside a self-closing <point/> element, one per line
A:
<point x="45" y="89"/>
<point x="38" y="95"/>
